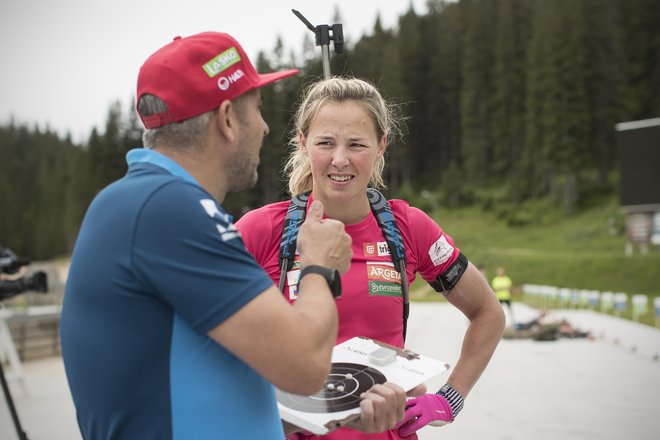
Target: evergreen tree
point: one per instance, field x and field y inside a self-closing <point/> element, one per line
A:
<point x="15" y="184"/>
<point x="641" y="21"/>
<point x="476" y="91"/>
<point x="446" y="25"/>
<point x="34" y="175"/>
<point x="132" y="130"/>
<point x="412" y="76"/>
<point x="76" y="195"/>
<point x="605" y="83"/>
<point x="537" y="92"/>
<point x="512" y="35"/>
<point x="373" y="59"/>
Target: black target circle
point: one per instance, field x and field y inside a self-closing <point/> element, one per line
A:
<point x="340" y="392"/>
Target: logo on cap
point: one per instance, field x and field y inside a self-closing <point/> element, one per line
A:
<point x="225" y="81"/>
<point x="220" y="63"/>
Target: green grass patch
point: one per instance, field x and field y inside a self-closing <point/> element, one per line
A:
<point x="585" y="250"/>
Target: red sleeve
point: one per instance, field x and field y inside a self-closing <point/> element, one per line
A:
<point x="261" y="230"/>
<point x="429" y="249"/>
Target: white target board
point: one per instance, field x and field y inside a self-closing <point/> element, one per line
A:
<point x="357" y="365"/>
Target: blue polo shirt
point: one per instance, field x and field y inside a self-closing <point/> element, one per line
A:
<point x="156" y="266"/>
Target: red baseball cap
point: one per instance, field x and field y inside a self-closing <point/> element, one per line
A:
<point x="195" y="74"/>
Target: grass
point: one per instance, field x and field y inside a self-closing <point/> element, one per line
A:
<point x="577" y="251"/>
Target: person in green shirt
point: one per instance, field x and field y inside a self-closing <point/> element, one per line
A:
<point x="501" y="285"/>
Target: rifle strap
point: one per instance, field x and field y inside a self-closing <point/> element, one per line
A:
<point x="382" y="211"/>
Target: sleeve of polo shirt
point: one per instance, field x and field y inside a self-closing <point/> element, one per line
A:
<point x="186" y="249"/>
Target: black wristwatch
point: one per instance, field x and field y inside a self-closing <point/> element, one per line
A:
<point x="332" y="277"/>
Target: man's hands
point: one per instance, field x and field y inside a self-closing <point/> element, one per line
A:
<point x="423" y="410"/>
<point x="383" y="407"/>
<point x="324" y="241"/>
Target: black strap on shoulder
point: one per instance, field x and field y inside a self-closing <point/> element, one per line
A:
<point x="385" y="218"/>
<point x="295" y="216"/>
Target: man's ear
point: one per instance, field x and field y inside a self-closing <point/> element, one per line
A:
<point x="227" y="121"/>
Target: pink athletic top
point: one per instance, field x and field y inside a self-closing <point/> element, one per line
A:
<point x="371" y="303"/>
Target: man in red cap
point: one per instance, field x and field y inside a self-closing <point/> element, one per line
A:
<point x="170" y="329"/>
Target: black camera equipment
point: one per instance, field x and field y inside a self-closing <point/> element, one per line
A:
<point x="324" y="33"/>
<point x="10" y="264"/>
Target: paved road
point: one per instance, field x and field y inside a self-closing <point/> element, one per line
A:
<point x="606" y="389"/>
<point x="570" y="389"/>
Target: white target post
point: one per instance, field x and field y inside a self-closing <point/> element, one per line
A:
<point x="639" y="306"/>
<point x="583" y="298"/>
<point x="620" y="303"/>
<point x="527" y="291"/>
<point x="656" y="305"/>
<point x="564" y="296"/>
<point x="606" y="302"/>
<point x="551" y="297"/>
<point x="593" y="299"/>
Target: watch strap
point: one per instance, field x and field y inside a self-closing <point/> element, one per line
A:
<point x="453" y="397"/>
<point x="331" y="277"/>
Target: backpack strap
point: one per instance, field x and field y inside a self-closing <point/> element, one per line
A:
<point x="295" y="216"/>
<point x="385" y="218"/>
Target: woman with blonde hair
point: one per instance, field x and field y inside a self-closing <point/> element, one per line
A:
<point x="341" y="132"/>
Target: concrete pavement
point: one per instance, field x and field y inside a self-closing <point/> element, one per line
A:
<point x="606" y="389"/>
<point x="570" y="389"/>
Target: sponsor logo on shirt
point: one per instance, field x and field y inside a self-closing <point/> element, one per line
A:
<point x="440" y="251"/>
<point x="383" y="279"/>
<point x="212" y="210"/>
<point x="227" y="230"/>
<point x="378" y="249"/>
